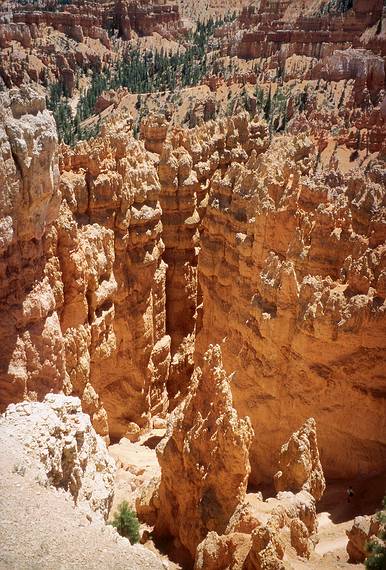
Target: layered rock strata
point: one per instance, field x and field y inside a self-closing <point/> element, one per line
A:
<point x="290" y="276"/>
<point x="282" y="29"/>
<point x="291" y="268"/>
<point x="187" y="162"/>
<point x="83" y="282"/>
<point x="33" y="353"/>
<point x="113" y="191"/>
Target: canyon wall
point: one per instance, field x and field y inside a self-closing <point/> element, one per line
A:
<point x="277" y="30"/>
<point x="32" y="355"/>
<point x="292" y="269"/>
<point x="83" y="282"/>
<point x="112" y="190"/>
<point x="147" y="253"/>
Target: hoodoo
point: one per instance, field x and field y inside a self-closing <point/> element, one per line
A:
<point x="192" y="284"/>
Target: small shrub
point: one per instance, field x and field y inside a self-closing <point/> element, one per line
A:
<point x="376" y="559"/>
<point x="126" y="522"/>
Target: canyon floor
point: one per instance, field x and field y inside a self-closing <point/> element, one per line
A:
<point x="138" y="465"/>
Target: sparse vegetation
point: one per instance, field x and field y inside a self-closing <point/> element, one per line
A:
<point x="126" y="522"/>
<point x="336" y="6"/>
<point x="377" y="547"/>
<point x="140" y="72"/>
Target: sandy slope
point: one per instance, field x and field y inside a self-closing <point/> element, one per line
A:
<point x="41" y="529"/>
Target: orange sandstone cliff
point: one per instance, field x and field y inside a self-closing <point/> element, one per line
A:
<point x="260" y="234"/>
<point x="290" y="281"/>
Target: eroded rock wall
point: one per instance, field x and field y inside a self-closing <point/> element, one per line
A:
<point x="83" y="282"/>
<point x="292" y="269"/>
<point x="113" y="192"/>
<point x="32" y="357"/>
<point x="187" y="161"/>
<point x="212" y="234"/>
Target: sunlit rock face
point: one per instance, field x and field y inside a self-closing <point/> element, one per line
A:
<point x="299" y="463"/>
<point x="83" y="281"/>
<point x="203" y="459"/>
<point x="32" y="356"/>
<point x="260" y="533"/>
<point x="58" y="442"/>
<point x="292" y="271"/>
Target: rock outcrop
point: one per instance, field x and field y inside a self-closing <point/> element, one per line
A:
<point x="291" y="268"/>
<point x="115" y="294"/>
<point x="262" y="232"/>
<point x="277" y="30"/>
<point x="83" y="282"/>
<point x="362" y="531"/>
<point x="203" y="458"/>
<point x="226" y="551"/>
<point x="299" y="463"/>
<point x="56" y="482"/>
<point x="259" y="533"/>
<point x="291" y="263"/>
<point x="60" y="445"/>
<point x="32" y="359"/>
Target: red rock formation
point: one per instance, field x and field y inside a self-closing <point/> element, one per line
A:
<point x="32" y="357"/>
<point x="258" y="531"/>
<point x="362" y="531"/>
<point x="88" y="315"/>
<point x="290" y="275"/>
<point x="285" y="28"/>
<point x="111" y="188"/>
<point x="15" y="33"/>
<point x="299" y="463"/>
<point x="225" y="551"/>
<point x="203" y="458"/>
<point x="76" y="26"/>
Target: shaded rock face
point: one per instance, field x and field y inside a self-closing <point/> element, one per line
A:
<point x="299" y="463"/>
<point x="59" y="442"/>
<point x="203" y="458"/>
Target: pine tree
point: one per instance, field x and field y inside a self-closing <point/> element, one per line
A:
<point x="126" y="522"/>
